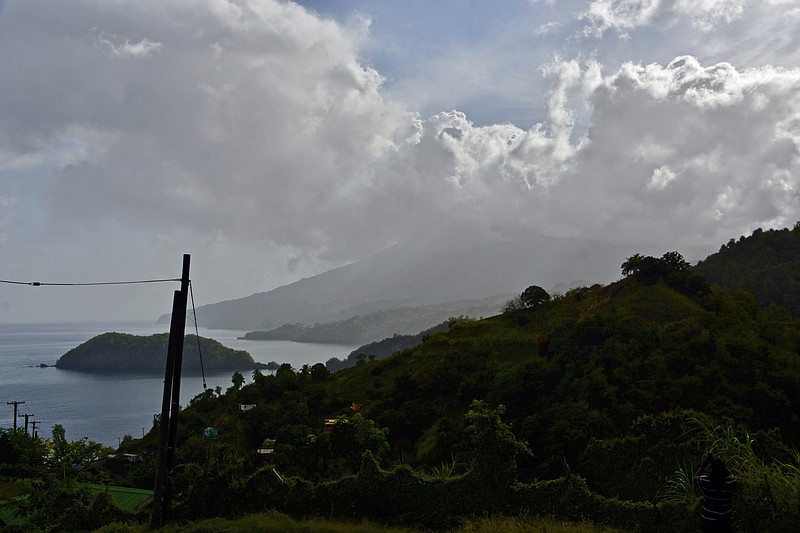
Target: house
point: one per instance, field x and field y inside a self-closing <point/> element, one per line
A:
<point x="327" y="426"/>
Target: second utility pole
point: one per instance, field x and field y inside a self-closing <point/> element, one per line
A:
<point x="170" y="405"/>
<point x="15" y="404"/>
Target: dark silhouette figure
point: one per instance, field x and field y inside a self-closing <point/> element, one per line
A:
<point x="717" y="488"/>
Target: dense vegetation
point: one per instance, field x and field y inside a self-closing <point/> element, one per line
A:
<point x="123" y="352"/>
<point x="596" y="404"/>
<point x="767" y="264"/>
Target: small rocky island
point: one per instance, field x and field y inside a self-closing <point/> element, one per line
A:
<point x="122" y="352"/>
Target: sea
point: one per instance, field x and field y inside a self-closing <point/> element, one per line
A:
<point x="105" y="407"/>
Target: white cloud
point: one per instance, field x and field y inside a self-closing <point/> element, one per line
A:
<point x="547" y="29"/>
<point x="118" y="47"/>
<point x="661" y="177"/>
<point x="254" y="130"/>
<point x="627" y="15"/>
<point x="732" y="134"/>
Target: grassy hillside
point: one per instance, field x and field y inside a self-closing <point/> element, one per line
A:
<point x="585" y="365"/>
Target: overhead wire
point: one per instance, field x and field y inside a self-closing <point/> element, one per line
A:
<point x="197" y="335"/>
<point x="46" y="284"/>
<point x="128" y="282"/>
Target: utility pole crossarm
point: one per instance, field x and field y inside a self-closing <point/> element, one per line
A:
<point x="15" y="404"/>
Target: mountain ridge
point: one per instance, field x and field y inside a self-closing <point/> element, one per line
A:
<point x="441" y="268"/>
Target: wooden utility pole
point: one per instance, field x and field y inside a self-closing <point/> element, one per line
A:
<point x="26" y="415"/>
<point x="34" y="423"/>
<point x="170" y="404"/>
<point x="15" y="404"/>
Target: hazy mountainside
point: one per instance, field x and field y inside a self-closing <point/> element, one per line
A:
<point x="382" y="324"/>
<point x="767" y="263"/>
<point x="123" y="352"/>
<point x="434" y="269"/>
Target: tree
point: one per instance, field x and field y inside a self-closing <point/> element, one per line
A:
<point x="671" y="269"/>
<point x="237" y="379"/>
<point x="531" y="298"/>
<point x="20" y="452"/>
<point x="319" y="373"/>
<point x="349" y="439"/>
<point x="514" y="304"/>
<point x="534" y="296"/>
<point x="74" y="455"/>
<point x="646" y="269"/>
<point x="493" y="446"/>
<point x="287" y="379"/>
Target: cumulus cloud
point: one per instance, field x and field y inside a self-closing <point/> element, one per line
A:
<point x="547" y="29"/>
<point x="689" y="153"/>
<point x="255" y="125"/>
<point x="118" y="47"/>
<point x="626" y="15"/>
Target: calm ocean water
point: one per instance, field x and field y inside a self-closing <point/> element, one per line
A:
<point x="103" y="407"/>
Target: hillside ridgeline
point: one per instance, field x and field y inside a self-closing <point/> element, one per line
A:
<point x="766" y="263"/>
<point x="386" y="347"/>
<point x="444" y="265"/>
<point x="372" y="327"/>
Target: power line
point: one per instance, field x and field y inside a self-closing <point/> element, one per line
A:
<point x="197" y="334"/>
<point x="48" y="284"/>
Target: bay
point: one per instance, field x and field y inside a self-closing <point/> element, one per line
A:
<point x="106" y="407"/>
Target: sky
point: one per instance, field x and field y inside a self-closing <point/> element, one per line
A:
<point x="274" y="140"/>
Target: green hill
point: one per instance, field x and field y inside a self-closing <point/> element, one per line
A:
<point x="122" y="352"/>
<point x="766" y="263"/>
<point x="596" y="404"/>
<point x="584" y="366"/>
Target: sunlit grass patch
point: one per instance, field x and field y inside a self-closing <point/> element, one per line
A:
<point x="529" y="524"/>
<point x="279" y="523"/>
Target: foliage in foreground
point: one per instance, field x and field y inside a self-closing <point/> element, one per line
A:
<point x="768" y="492"/>
<point x="274" y="522"/>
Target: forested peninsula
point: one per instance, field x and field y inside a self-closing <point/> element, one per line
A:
<point x="122" y="352"/>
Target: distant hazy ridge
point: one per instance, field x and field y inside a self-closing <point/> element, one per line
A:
<point x="435" y="270"/>
<point x="383" y="324"/>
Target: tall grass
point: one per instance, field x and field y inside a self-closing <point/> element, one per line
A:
<point x="278" y="523"/>
<point x="767" y="490"/>
<point x="447" y="469"/>
<point x="528" y="524"/>
<point x="681" y="487"/>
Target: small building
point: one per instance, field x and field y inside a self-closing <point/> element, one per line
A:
<point x="244" y="407"/>
<point x="327" y="426"/>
